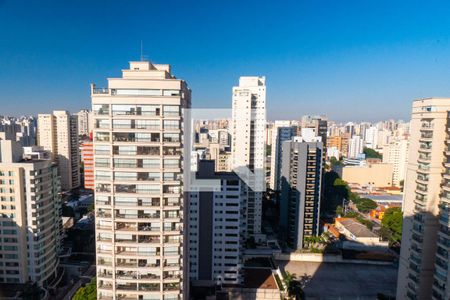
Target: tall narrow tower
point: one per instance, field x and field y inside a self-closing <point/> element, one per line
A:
<point x="138" y="144"/>
<point x="248" y="147"/>
<point x="426" y="235"/>
<point x="58" y="133"/>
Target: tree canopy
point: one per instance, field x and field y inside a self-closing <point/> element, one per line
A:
<point x="391" y="224"/>
<point x="370" y="153"/>
<point x="89" y="292"/>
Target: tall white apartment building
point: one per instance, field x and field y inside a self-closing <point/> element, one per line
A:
<point x="396" y="153"/>
<point x="138" y="158"/>
<point x="371" y="137"/>
<point x="58" y="133"/>
<point x="84" y="122"/>
<point x="355" y="146"/>
<point x="215" y="229"/>
<point x="30" y="217"/>
<point x="281" y="131"/>
<point x="248" y="144"/>
<point x="423" y="263"/>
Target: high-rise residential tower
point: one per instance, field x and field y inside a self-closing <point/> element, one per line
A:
<point x="281" y="131"/>
<point x="301" y="178"/>
<point x="84" y="122"/>
<point x="248" y="145"/>
<point x="138" y="150"/>
<point x="423" y="260"/>
<point x="215" y="229"/>
<point x="30" y="215"/>
<point x="58" y="133"/>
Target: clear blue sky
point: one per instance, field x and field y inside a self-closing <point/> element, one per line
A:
<point x="351" y="60"/>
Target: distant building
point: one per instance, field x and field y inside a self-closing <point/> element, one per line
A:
<point x="375" y="175"/>
<point x="85" y="122"/>
<point x="301" y="176"/>
<point x="357" y="232"/>
<point x="396" y="153"/>
<point x="355" y="147"/>
<point x="280" y="134"/>
<point x="30" y="216"/>
<point x="58" y="133"/>
<point x="248" y="147"/>
<point x="216" y="229"/>
<point x="87" y="157"/>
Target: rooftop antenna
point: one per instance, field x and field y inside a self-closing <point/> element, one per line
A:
<point x="143" y="57"/>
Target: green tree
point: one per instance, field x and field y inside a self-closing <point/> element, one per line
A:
<point x="294" y="289"/>
<point x="391" y="224"/>
<point x="88" y="292"/>
<point x="334" y="162"/>
<point x="365" y="205"/>
<point x="370" y="153"/>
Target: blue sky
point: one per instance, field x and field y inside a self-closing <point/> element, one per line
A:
<point x="350" y="60"/>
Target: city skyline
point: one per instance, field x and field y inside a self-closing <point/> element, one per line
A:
<point x="368" y="66"/>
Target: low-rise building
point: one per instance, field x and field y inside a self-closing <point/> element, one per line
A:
<point x="357" y="232"/>
<point x="375" y="175"/>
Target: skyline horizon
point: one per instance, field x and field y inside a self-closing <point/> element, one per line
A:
<point x="363" y="65"/>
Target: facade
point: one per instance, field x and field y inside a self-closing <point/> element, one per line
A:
<point x="301" y="180"/>
<point x="375" y="175"/>
<point x="84" y="122"/>
<point x="423" y="259"/>
<point x="248" y="144"/>
<point x="280" y="134"/>
<point x="30" y="215"/>
<point x="355" y="147"/>
<point x="215" y="229"/>
<point x="58" y="133"/>
<point x="396" y="153"/>
<point x="87" y="157"/>
<point x="138" y="148"/>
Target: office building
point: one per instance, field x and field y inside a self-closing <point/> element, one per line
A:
<point x="248" y="145"/>
<point x="58" y="133"/>
<point x="301" y="177"/>
<point x="138" y="145"/>
<point x="30" y="214"/>
<point x="423" y="259"/>
<point x="215" y="229"/>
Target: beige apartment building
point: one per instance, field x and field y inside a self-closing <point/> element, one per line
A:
<point x="423" y="260"/>
<point x="138" y="148"/>
<point x="30" y="217"/>
<point x="58" y="133"/>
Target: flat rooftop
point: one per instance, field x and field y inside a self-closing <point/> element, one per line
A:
<point x="332" y="281"/>
<point x="259" y="279"/>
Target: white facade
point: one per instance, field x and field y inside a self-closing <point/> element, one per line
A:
<point x="30" y="215"/>
<point x="371" y="137"/>
<point x="396" y="153"/>
<point x="84" y="122"/>
<point x="215" y="230"/>
<point x="138" y="148"/>
<point x="248" y="146"/>
<point x="355" y="146"/>
<point x="58" y="133"/>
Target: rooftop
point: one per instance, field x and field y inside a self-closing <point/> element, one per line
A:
<point x="357" y="229"/>
<point x="259" y="279"/>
